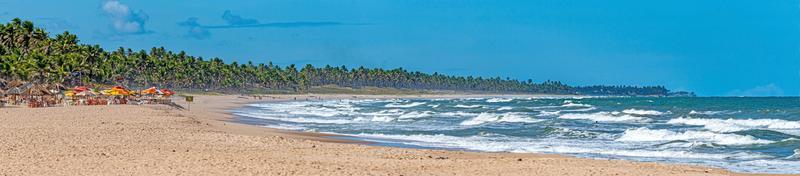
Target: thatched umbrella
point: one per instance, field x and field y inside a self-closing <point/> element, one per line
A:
<point x="56" y="88"/>
<point x="36" y="90"/>
<point x="14" y="91"/>
<point x="12" y="94"/>
<point x="15" y="83"/>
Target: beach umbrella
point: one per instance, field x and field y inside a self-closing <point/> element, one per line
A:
<point x="119" y="90"/>
<point x="167" y="92"/>
<point x="106" y="92"/>
<point x="2" y="93"/>
<point x="69" y="93"/>
<point x="151" y="90"/>
<point x="15" y="83"/>
<point x="80" y="88"/>
<point x="56" y="88"/>
<point x="85" y="93"/>
<point x="36" y="90"/>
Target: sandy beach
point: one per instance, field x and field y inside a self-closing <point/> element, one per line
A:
<point x="162" y="140"/>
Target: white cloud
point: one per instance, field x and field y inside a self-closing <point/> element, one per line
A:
<point x="124" y="20"/>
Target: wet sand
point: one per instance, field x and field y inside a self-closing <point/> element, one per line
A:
<point x="200" y="140"/>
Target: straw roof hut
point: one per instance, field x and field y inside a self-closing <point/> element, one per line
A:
<point x="15" y="83"/>
<point x="56" y="88"/>
<point x="14" y="91"/>
<point x="36" y="90"/>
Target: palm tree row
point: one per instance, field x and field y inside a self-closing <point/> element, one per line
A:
<point x="29" y="53"/>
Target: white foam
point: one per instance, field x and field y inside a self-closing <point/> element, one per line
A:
<point x="499" y="100"/>
<point x="505" y="108"/>
<point x="548" y="113"/>
<point x="382" y="119"/>
<point x="575" y="105"/>
<point x="713" y="112"/>
<point x="492" y="144"/>
<point x="415" y="114"/>
<point x="643" y="112"/>
<point x="604" y="117"/>
<point x="795" y="155"/>
<point x="434" y="106"/>
<point x="733" y="125"/>
<point x="643" y="134"/>
<point x="324" y="109"/>
<point x="468" y="106"/>
<point x="458" y="114"/>
<point x="294" y="119"/>
<point x="398" y="105"/>
<point x="506" y="117"/>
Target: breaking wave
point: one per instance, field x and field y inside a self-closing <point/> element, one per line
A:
<point x="733" y="125"/>
<point x="643" y="112"/>
<point x="506" y="117"/>
<point x="397" y="105"/>
<point x="467" y="106"/>
<point x="604" y="117"/>
<point x="498" y="100"/>
<point x="644" y="134"/>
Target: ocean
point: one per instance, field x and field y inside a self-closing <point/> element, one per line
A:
<point x="756" y="135"/>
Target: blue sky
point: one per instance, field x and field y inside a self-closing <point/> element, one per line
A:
<point x="713" y="47"/>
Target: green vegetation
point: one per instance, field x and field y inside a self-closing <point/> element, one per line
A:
<point x="28" y="53"/>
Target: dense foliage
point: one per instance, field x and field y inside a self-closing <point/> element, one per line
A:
<point x="29" y="53"/>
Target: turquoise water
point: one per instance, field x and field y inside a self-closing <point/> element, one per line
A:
<point x="741" y="134"/>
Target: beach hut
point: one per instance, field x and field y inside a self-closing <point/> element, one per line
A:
<point x="36" y="90"/>
<point x="13" y="95"/>
<point x="56" y="88"/>
<point x="15" y="83"/>
<point x="38" y="96"/>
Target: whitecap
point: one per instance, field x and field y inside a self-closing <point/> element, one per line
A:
<point x="382" y="119"/>
<point x="575" y="105"/>
<point x="458" y="114"/>
<point x="644" y="134"/>
<point x="643" y="112"/>
<point x="733" y="125"/>
<point x="548" y="113"/>
<point x="468" y="106"/>
<point x="504" y="144"/>
<point x="415" y="114"/>
<point x="499" y="100"/>
<point x="505" y="108"/>
<point x="713" y="112"/>
<point x="506" y="117"/>
<point x="795" y="155"/>
<point x="603" y="117"/>
<point x="397" y="105"/>
<point x="295" y="119"/>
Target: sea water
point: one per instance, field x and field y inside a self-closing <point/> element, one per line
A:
<point x="759" y="135"/>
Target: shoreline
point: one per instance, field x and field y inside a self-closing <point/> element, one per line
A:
<point x="349" y="139"/>
<point x="202" y="140"/>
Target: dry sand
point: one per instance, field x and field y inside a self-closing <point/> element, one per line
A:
<point x="161" y="140"/>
